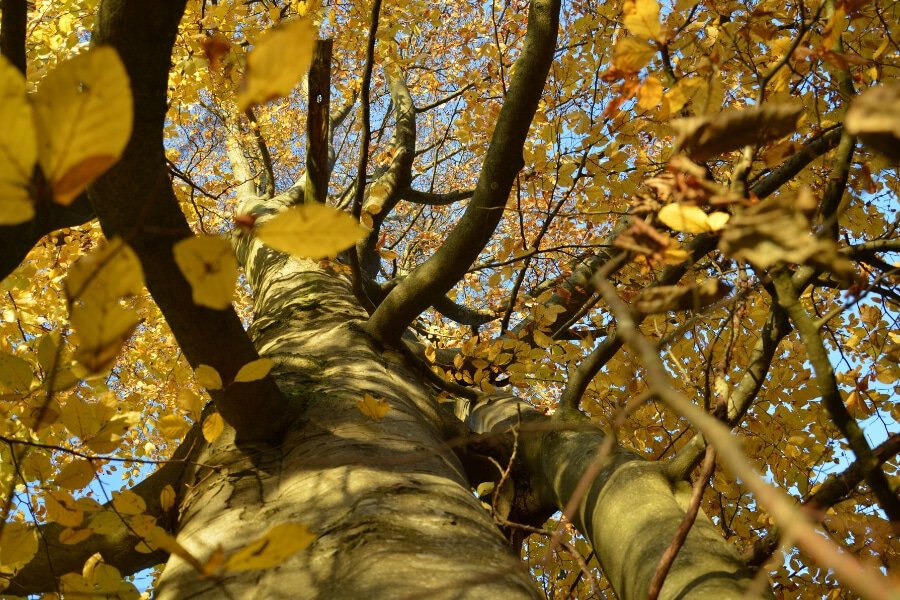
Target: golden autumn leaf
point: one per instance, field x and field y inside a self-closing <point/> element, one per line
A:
<point x="157" y="537"/>
<point x="374" y="408"/>
<point x="127" y="502"/>
<point x="681" y="297"/>
<point x="102" y="330"/>
<point x="107" y="522"/>
<point x="15" y="373"/>
<point x="210" y="267"/>
<point x="779" y="230"/>
<point x="254" y="370"/>
<point x="650" y="94"/>
<point x="18" y="145"/>
<point x="75" y="475"/>
<point x="61" y="508"/>
<point x="167" y="497"/>
<point x="83" y="113"/>
<point x="691" y="219"/>
<point x="311" y="231"/>
<point x="110" y="435"/>
<point x="190" y="402"/>
<point x="18" y="545"/>
<point x="631" y="54"/>
<point x="213" y="426"/>
<point x="107" y="274"/>
<point x="641" y="18"/>
<point x="279" y="59"/>
<point x="95" y="286"/>
<point x="70" y="536"/>
<point x="276" y="546"/>
<point x="208" y="377"/>
<point x="173" y="427"/>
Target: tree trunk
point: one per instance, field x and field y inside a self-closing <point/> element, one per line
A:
<point x="390" y="500"/>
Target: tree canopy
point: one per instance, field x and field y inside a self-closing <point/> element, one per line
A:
<point x="672" y="222"/>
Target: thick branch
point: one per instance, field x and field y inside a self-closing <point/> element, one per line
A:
<point x="17" y="240"/>
<point x="135" y="200"/>
<point x="318" y="138"/>
<point x="356" y="270"/>
<point x="562" y="459"/>
<point x="268" y="187"/>
<point x="391" y="184"/>
<point x="831" y="395"/>
<point x="864" y="580"/>
<point x="12" y="32"/>
<point x="789" y="168"/>
<point x="436" y="199"/>
<point x="503" y="161"/>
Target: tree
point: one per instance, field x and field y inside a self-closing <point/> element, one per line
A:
<point x="609" y="266"/>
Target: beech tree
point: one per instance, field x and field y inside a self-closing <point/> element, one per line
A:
<point x="449" y="300"/>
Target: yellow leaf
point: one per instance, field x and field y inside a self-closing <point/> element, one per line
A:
<point x="102" y="330"/>
<point x="62" y="509"/>
<point x="70" y="537"/>
<point x="73" y="585"/>
<point x="127" y="502"/>
<point x="173" y="426"/>
<point x="254" y="370"/>
<point x="649" y="95"/>
<point x="18" y="545"/>
<point x="213" y="426"/>
<point x="15" y="372"/>
<point x="167" y="498"/>
<point x="111" y="434"/>
<point x="374" y="408"/>
<point x="107" y="523"/>
<point x="75" y="475"/>
<point x="642" y="19"/>
<point x="311" y="230"/>
<point x="191" y="403"/>
<point x="18" y="145"/>
<point x="209" y="265"/>
<point x="632" y="54"/>
<point x="83" y="113"/>
<point x="276" y="546"/>
<point x="542" y="339"/>
<point x="279" y="59"/>
<point x="95" y="285"/>
<point x="686" y="218"/>
<point x="208" y="377"/>
<point x="106" y="274"/>
<point x="717" y="220"/>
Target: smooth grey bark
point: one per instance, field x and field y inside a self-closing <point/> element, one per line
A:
<point x="389" y="499"/>
<point x="630" y="510"/>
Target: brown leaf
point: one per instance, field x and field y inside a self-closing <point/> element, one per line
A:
<point x="779" y="231"/>
<point x="711" y="135"/>
<point x="215" y="47"/>
<point x="681" y="297"/>
<point x="643" y="239"/>
<point x="874" y="116"/>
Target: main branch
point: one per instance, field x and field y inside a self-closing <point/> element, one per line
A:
<point x="503" y="161"/>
